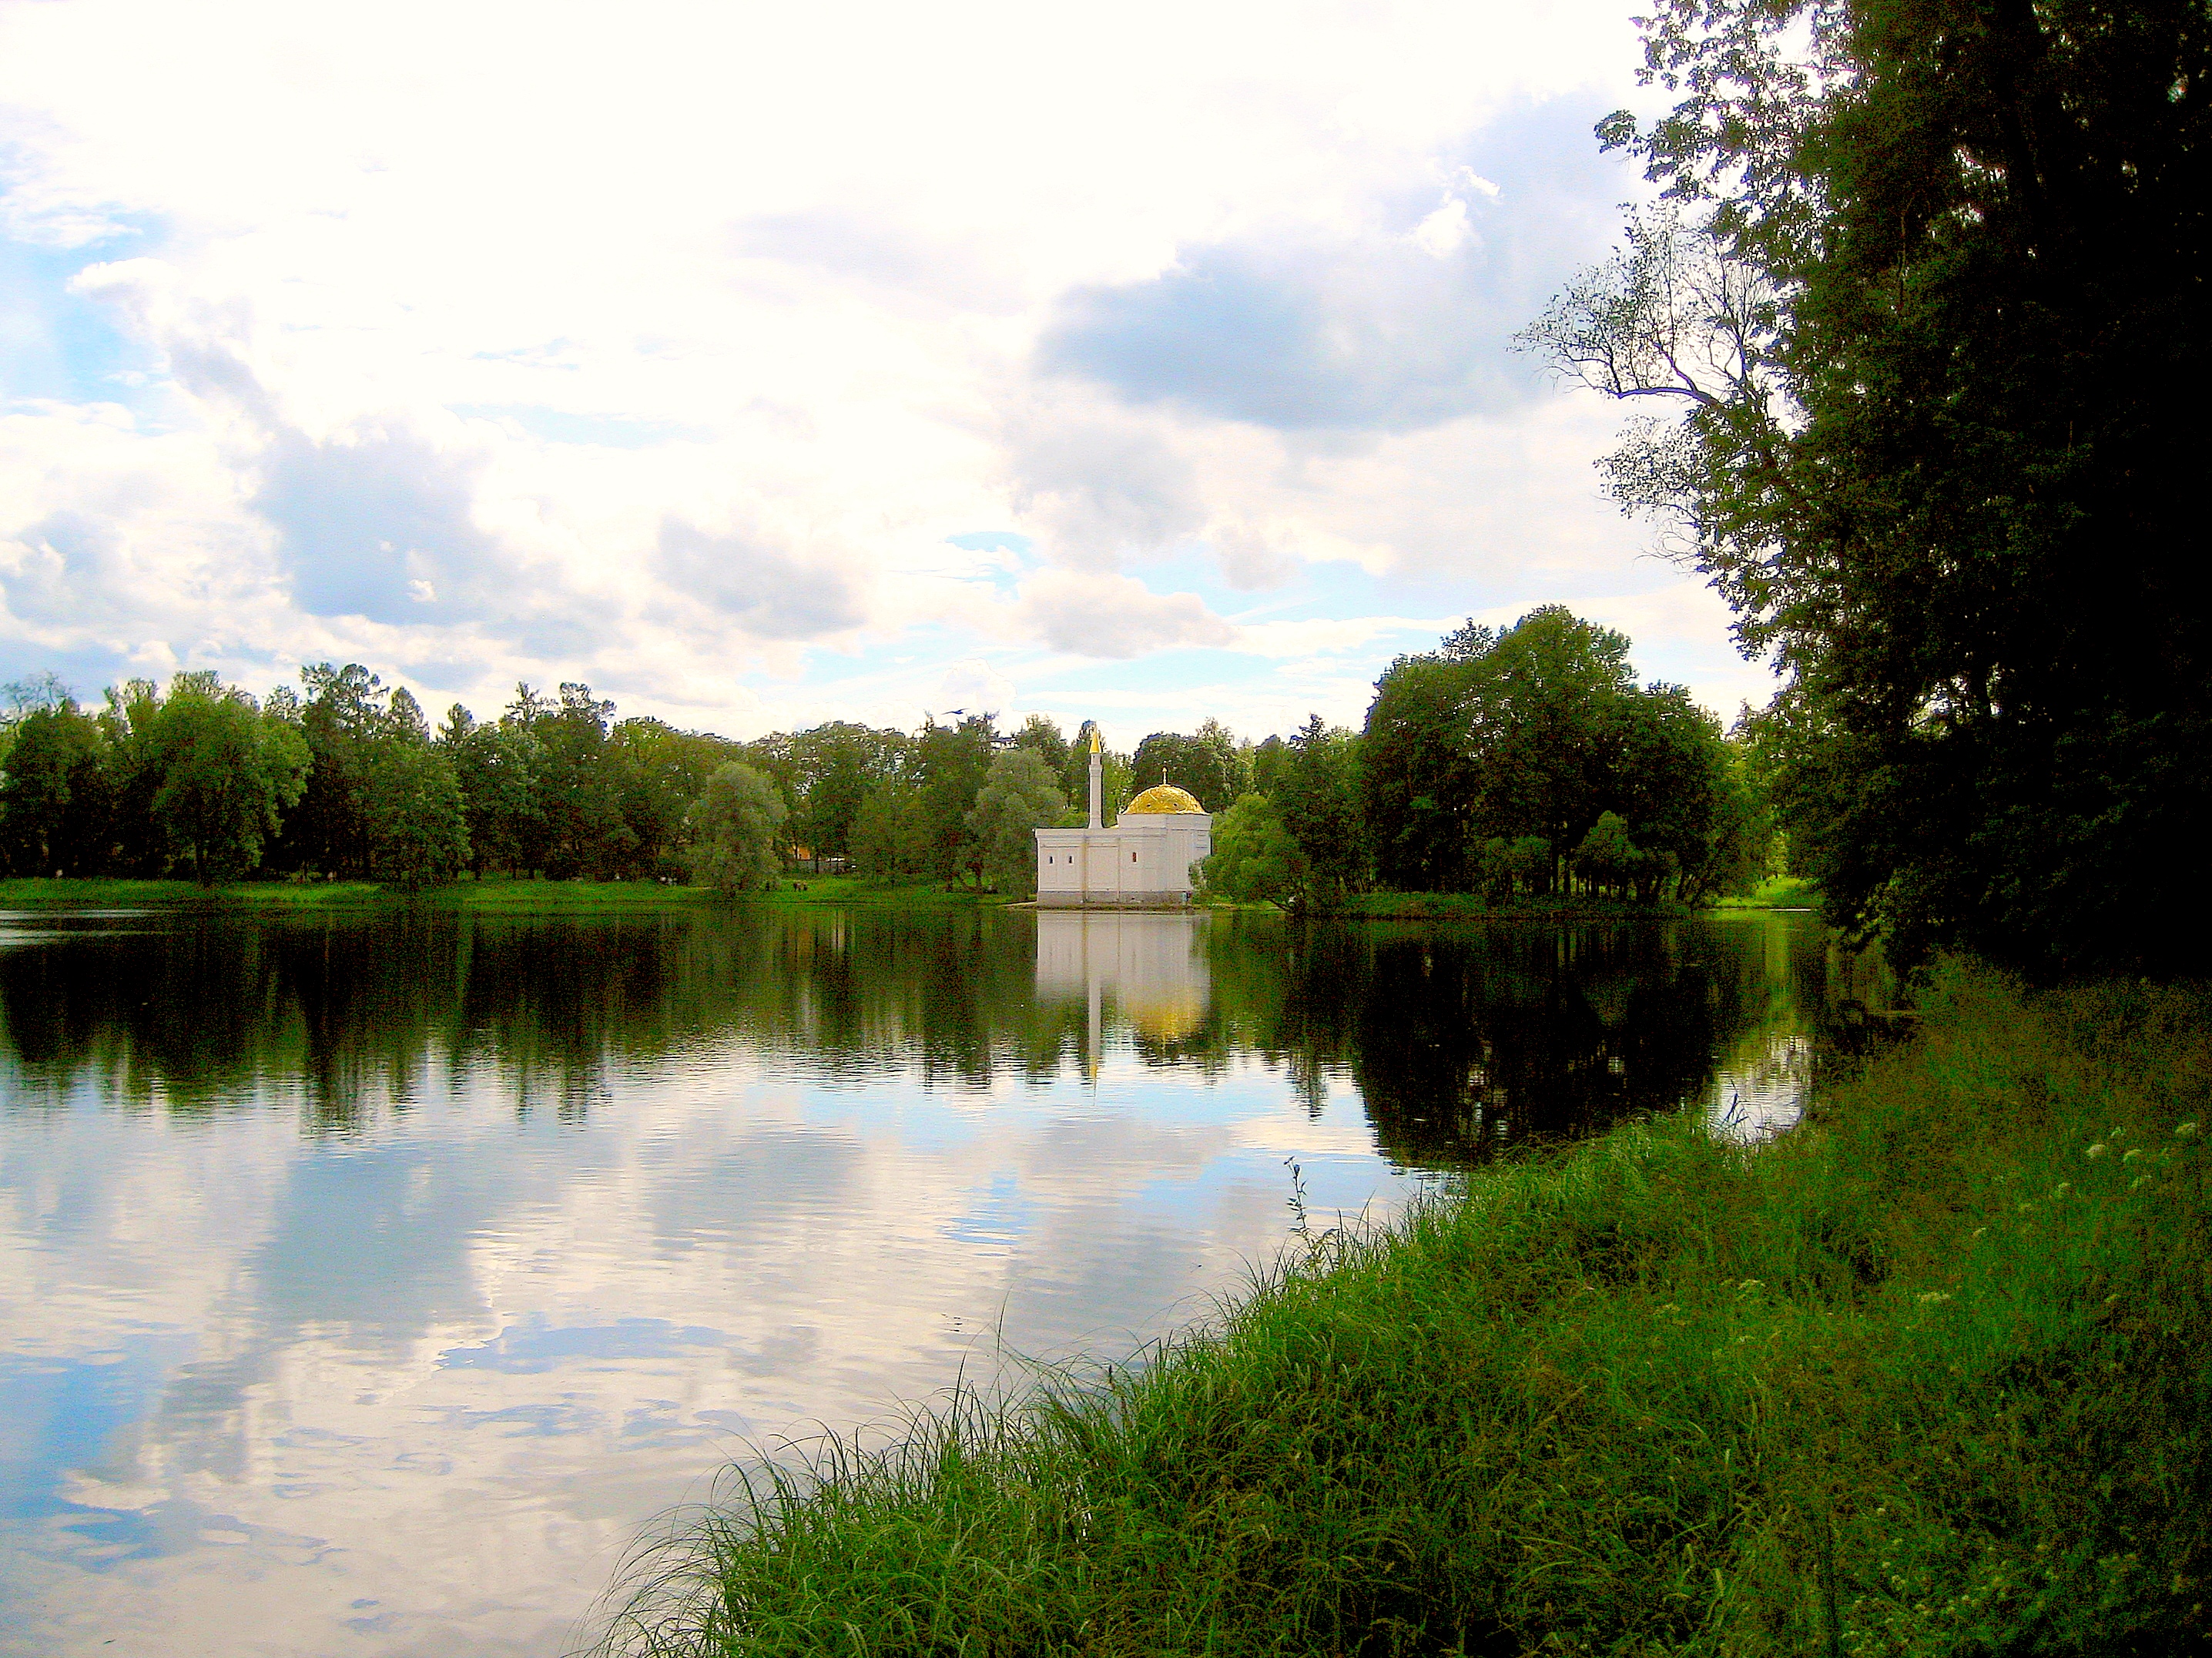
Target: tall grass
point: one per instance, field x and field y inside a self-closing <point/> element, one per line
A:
<point x="1929" y="1375"/>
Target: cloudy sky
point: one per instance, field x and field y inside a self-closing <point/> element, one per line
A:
<point x="761" y="364"/>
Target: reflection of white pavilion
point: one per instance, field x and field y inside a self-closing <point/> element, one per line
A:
<point x="1152" y="965"/>
<point x="1143" y="862"/>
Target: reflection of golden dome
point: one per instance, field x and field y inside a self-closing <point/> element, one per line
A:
<point x="1163" y="796"/>
<point x="1167" y="1018"/>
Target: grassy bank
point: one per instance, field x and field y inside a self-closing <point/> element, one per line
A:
<point x="1469" y="906"/>
<point x="1786" y="892"/>
<point x="518" y="896"/>
<point x="1928" y="1377"/>
<point x="105" y="893"/>
<point x="1776" y="892"/>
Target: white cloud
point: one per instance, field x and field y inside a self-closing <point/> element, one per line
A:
<point x="976" y="687"/>
<point x="1090" y="614"/>
<point x="666" y="351"/>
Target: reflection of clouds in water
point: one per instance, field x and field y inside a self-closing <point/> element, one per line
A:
<point x="1762" y="1091"/>
<point x="360" y="1349"/>
<point x="443" y="1367"/>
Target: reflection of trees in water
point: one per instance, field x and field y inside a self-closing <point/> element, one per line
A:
<point x="1458" y="1037"/>
<point x="1521" y="1034"/>
<point x="357" y="1010"/>
<point x="1462" y="1039"/>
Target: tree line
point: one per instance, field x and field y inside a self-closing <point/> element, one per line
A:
<point x="1521" y="762"/>
<point x="1515" y="762"/>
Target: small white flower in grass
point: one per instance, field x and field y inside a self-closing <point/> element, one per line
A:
<point x="1927" y="1298"/>
<point x="2186" y="1131"/>
<point x="2095" y="1151"/>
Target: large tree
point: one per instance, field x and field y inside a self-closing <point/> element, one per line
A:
<point x="1420" y="784"/>
<point x="1253" y="860"/>
<point x="56" y="793"/>
<point x="890" y="837"/>
<point x="1927" y="289"/>
<point x="950" y="762"/>
<point x="411" y="798"/>
<point x="737" y="840"/>
<point x="835" y="765"/>
<point x="341" y="722"/>
<point x="227" y="771"/>
<point x="1018" y="796"/>
<point x="1317" y="794"/>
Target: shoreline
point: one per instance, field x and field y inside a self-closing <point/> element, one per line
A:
<point x="568" y="896"/>
<point x="1924" y="1376"/>
<point x="496" y="893"/>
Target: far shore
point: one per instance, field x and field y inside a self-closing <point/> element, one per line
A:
<point x="515" y="895"/>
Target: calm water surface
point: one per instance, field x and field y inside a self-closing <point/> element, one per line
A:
<point x="369" y="1283"/>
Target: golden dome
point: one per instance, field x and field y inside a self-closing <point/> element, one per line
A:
<point x="1163" y="796"/>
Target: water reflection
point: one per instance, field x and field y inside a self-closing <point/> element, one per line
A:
<point x="369" y="1279"/>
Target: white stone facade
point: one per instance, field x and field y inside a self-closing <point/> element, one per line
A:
<point x="1145" y="858"/>
<point x="1144" y="861"/>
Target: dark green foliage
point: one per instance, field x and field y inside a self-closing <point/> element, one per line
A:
<point x="950" y="762"/>
<point x="1041" y="735"/>
<point x="1019" y="795"/>
<point x="737" y="839"/>
<point x="1267" y="757"/>
<point x="1253" y="860"/>
<point x="1943" y="283"/>
<point x="578" y="802"/>
<point x="833" y="766"/>
<point x="1487" y="764"/>
<point x="889" y="836"/>
<point x="57" y="795"/>
<point x="1420" y="781"/>
<point x="495" y="767"/>
<point x="1317" y="792"/>
<point x="1208" y="764"/>
<point x="411" y="801"/>
<point x="340" y="720"/>
<point x="1923" y="1380"/>
<point x="224" y="773"/>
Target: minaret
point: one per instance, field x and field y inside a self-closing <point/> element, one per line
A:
<point x="1097" y="783"/>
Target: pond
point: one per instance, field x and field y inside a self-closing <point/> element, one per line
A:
<point x="373" y="1281"/>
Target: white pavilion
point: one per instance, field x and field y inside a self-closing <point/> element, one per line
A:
<point x="1144" y="861"/>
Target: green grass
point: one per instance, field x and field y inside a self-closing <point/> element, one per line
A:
<point x="1927" y="1376"/>
<point x="106" y="894"/>
<point x="1777" y="892"/>
<point x="1470" y="905"/>
<point x="496" y="893"/>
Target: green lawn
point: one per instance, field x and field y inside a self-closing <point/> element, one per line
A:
<point x="1777" y="892"/>
<point x="104" y="894"/>
<point x="1468" y="906"/>
<point x="1929" y="1375"/>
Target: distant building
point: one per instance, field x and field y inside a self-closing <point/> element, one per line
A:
<point x="1144" y="861"/>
